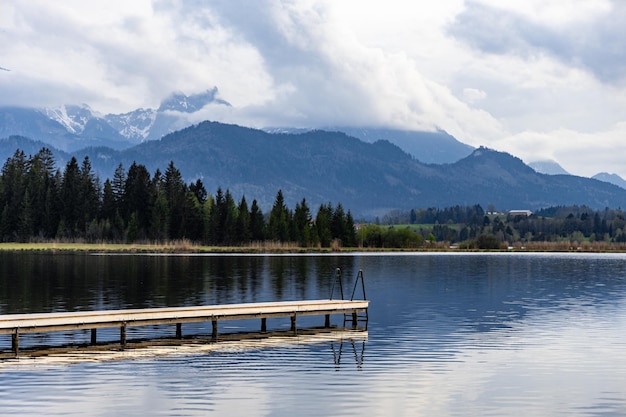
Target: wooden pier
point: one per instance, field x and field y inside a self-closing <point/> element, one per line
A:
<point x="16" y="324"/>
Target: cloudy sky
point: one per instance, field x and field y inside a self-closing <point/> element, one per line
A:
<point x="541" y="79"/>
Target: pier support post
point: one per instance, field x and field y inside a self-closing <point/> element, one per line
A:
<point x="214" y="331"/>
<point x="15" y="342"/>
<point x="123" y="336"/>
<point x="293" y="324"/>
<point x="263" y="325"/>
<point x="179" y="331"/>
<point x="94" y="336"/>
<point x="327" y="321"/>
<point x="354" y="320"/>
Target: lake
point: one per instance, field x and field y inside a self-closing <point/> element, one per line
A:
<point x="448" y="335"/>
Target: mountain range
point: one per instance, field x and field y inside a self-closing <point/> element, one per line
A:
<point x="549" y="167"/>
<point x="72" y="127"/>
<point x="369" y="170"/>
<point x="610" y="178"/>
<point x="437" y="147"/>
<point x="553" y="168"/>
<point x="370" y="179"/>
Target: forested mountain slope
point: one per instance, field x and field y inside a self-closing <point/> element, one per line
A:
<point x="368" y="178"/>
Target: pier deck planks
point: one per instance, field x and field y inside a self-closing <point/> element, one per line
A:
<point x="16" y="324"/>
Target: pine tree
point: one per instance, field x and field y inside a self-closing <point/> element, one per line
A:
<point x="89" y="193"/>
<point x="176" y="195"/>
<point x="138" y="198"/>
<point x="229" y="217"/>
<point x="207" y="208"/>
<point x="192" y="218"/>
<point x="52" y="207"/>
<point x="25" y="227"/>
<point x="12" y="193"/>
<point x="195" y="218"/>
<point x="243" y="222"/>
<point x="322" y="223"/>
<point x="257" y="223"/>
<point x="108" y="206"/>
<point x="159" y="226"/>
<point x="133" y="228"/>
<point x="216" y="226"/>
<point x="278" y="226"/>
<point x="350" y="231"/>
<point x="71" y="198"/>
<point x="197" y="188"/>
<point x="302" y="224"/>
<point x="337" y="223"/>
<point x="41" y="187"/>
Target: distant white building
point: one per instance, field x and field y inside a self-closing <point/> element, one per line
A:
<point x="525" y="213"/>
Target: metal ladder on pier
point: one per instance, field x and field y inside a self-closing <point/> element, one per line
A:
<point x="354" y="317"/>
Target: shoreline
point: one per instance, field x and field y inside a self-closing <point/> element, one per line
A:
<point x="186" y="247"/>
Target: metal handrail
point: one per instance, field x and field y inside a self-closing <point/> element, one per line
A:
<point x="338" y="275"/>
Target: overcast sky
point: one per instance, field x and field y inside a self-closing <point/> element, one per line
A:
<point x="541" y="79"/>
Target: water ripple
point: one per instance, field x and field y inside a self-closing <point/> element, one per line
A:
<point x="453" y="335"/>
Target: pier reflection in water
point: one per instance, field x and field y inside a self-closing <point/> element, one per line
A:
<point x="340" y="342"/>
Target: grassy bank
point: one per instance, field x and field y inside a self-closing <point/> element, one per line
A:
<point x="170" y="247"/>
<point x="276" y="247"/>
<point x="189" y="247"/>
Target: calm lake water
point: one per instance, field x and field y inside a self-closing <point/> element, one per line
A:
<point x="448" y="335"/>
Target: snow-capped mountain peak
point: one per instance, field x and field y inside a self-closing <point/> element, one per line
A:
<point x="135" y="125"/>
<point x="71" y="127"/>
<point x="74" y="118"/>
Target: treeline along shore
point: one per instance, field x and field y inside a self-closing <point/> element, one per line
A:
<point x="72" y="209"/>
<point x="562" y="228"/>
<point x="42" y="203"/>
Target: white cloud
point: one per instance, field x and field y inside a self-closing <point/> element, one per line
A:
<point x="581" y="153"/>
<point x="338" y="75"/>
<point x="554" y="12"/>
<point x="588" y="35"/>
<point x="519" y="76"/>
<point x="119" y="58"/>
<point x="472" y="95"/>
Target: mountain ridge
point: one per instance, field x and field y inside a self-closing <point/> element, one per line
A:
<point x="72" y="127"/>
<point x="368" y="178"/>
<point x="549" y="167"/>
<point x="436" y="147"/>
<point x="610" y="178"/>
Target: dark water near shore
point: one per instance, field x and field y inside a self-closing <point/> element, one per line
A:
<point x="449" y="334"/>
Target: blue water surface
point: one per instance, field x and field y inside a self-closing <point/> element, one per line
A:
<point x="448" y="335"/>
